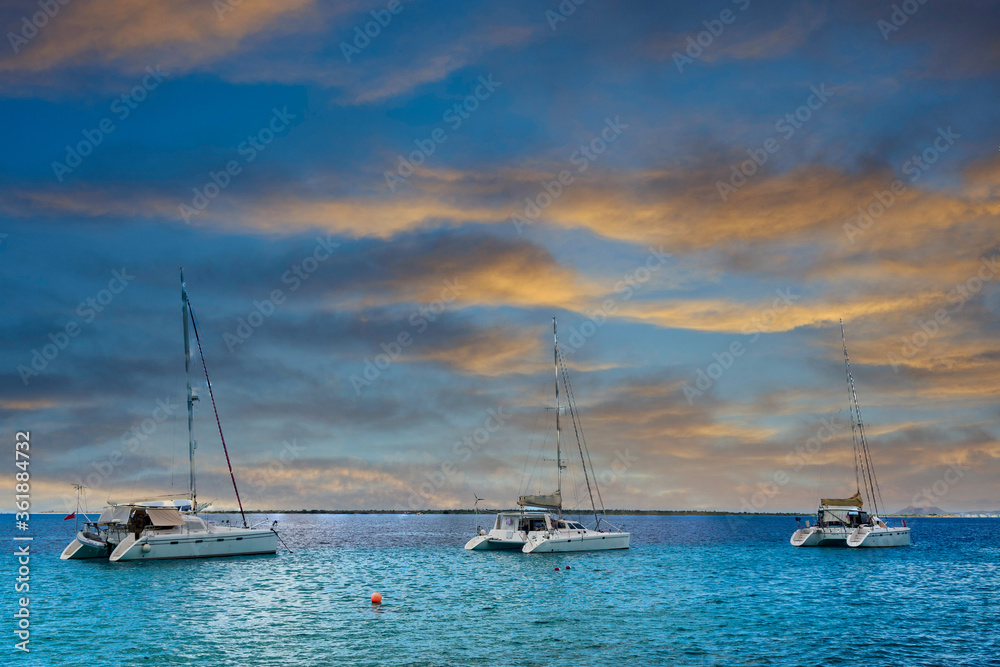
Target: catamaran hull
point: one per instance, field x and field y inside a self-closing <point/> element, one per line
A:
<point x="879" y="537"/>
<point x="77" y="550"/>
<point x="860" y="537"/>
<point x="487" y="543"/>
<point x="595" y="542"/>
<point x="170" y="547"/>
<point x="812" y="537"/>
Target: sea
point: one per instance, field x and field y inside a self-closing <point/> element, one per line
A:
<point x="692" y="590"/>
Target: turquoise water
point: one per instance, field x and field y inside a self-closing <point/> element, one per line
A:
<point x="691" y="591"/>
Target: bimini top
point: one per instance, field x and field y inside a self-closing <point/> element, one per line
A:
<point x="853" y="501"/>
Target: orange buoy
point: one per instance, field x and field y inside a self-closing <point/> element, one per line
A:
<point x="376" y="598"/>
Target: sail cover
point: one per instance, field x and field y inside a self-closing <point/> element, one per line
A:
<point x="552" y="501"/>
<point x="853" y="501"/>
<point x="165" y="516"/>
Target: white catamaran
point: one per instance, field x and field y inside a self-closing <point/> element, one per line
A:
<point x="159" y="530"/>
<point x="544" y="529"/>
<point x="841" y="521"/>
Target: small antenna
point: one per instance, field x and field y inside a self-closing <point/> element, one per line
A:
<point x="475" y="509"/>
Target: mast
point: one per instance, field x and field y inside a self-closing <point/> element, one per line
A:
<point x="215" y="408"/>
<point x="191" y="398"/>
<point x="555" y="364"/>
<point x="571" y="405"/>
<point x="862" y="454"/>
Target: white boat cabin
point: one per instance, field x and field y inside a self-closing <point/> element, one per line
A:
<point x="841" y="517"/>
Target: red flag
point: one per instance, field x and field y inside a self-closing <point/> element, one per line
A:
<point x="71" y="516"/>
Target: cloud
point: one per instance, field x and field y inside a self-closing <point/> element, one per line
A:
<point x="131" y="34"/>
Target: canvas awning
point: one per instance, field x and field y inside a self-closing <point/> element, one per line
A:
<point x="853" y="501"/>
<point x="164" y="516"/>
<point x="552" y="501"/>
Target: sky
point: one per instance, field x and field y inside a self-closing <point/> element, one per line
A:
<point x="380" y="206"/>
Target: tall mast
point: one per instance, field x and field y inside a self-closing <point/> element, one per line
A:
<point x="190" y="394"/>
<point x="559" y="466"/>
<point x="862" y="453"/>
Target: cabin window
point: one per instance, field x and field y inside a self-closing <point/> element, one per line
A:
<point x="562" y="524"/>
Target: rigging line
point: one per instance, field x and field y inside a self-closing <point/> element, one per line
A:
<point x="868" y="466"/>
<point x="583" y="438"/>
<point x="850" y="406"/>
<point x="531" y="438"/>
<point x="527" y="458"/>
<point x="570" y="404"/>
<point x="194" y="325"/>
<point x="541" y="450"/>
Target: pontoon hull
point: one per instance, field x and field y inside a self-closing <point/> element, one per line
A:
<point x="77" y="550"/>
<point x="864" y="536"/>
<point x="817" y="537"/>
<point x="879" y="537"/>
<point x="488" y="543"/>
<point x="197" y="545"/>
<point x="591" y="541"/>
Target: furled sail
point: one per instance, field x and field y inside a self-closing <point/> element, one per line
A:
<point x="551" y="502"/>
<point x="853" y="501"/>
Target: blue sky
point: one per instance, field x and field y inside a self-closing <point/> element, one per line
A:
<point x="471" y="254"/>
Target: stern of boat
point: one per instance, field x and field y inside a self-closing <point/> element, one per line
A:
<point x="805" y="537"/>
<point x="77" y="550"/>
